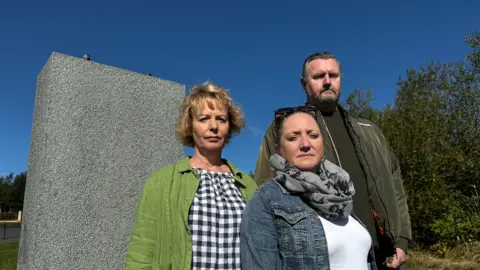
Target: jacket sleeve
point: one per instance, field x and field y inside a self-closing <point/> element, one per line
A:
<point x="144" y="235"/>
<point x="405" y="234"/>
<point x="262" y="169"/>
<point x="258" y="236"/>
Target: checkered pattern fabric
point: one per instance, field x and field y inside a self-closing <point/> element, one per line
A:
<point x="214" y="220"/>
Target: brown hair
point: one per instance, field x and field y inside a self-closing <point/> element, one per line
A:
<point x="319" y="55"/>
<point x="281" y="118"/>
<point x="207" y="94"/>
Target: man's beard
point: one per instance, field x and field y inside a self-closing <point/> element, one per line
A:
<point x="326" y="104"/>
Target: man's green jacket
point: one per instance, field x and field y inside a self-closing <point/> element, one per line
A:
<point x="382" y="170"/>
<point x="161" y="237"/>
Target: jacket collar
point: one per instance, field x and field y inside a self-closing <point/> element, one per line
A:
<point x="284" y="190"/>
<point x="184" y="166"/>
<point x="339" y="107"/>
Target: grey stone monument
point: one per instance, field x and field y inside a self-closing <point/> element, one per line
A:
<point x="98" y="133"/>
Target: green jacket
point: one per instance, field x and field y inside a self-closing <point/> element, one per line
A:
<point x="382" y="170"/>
<point x="161" y="238"/>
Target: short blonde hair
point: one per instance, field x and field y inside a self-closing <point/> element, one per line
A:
<point x="207" y="94"/>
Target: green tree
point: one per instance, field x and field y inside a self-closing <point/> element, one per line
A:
<point x="5" y="191"/>
<point x="433" y="128"/>
<point x="12" y="190"/>
<point x="358" y="103"/>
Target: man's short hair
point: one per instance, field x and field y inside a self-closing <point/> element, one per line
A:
<point x="319" y="55"/>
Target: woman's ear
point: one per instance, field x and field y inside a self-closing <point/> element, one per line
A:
<point x="277" y="149"/>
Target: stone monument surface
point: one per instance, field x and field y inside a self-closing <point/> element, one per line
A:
<point x="98" y="132"/>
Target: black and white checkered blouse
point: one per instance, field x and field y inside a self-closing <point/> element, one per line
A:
<point x="214" y="220"/>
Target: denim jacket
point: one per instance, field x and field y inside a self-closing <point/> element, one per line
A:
<point x="280" y="231"/>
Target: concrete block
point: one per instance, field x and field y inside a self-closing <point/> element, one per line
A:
<point x="98" y="133"/>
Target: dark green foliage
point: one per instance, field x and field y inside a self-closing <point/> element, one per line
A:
<point x="358" y="102"/>
<point x="12" y="190"/>
<point x="434" y="130"/>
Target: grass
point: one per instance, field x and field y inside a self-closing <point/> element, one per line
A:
<point x="8" y="253"/>
<point x="462" y="257"/>
<point x="9" y="224"/>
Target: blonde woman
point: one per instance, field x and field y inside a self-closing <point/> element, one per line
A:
<point x="190" y="212"/>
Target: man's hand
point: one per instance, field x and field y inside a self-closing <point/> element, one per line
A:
<point x="398" y="259"/>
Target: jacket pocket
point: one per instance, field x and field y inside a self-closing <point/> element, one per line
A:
<point x="292" y="230"/>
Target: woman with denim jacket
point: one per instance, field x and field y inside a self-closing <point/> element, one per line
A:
<point x="189" y="213"/>
<point x="302" y="218"/>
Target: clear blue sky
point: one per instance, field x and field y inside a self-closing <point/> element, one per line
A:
<point x="254" y="49"/>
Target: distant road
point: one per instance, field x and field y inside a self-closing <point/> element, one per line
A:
<point x="9" y="233"/>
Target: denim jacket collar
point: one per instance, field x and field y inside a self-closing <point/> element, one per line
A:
<point x="283" y="189"/>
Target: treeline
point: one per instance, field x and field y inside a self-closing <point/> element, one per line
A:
<point x="433" y="128"/>
<point x="12" y="190"/>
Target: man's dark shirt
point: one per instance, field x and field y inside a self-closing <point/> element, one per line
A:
<point x="350" y="163"/>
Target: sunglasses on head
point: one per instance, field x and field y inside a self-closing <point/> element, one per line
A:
<point x="282" y="113"/>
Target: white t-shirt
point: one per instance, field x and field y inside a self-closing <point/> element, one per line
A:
<point x="348" y="243"/>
